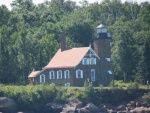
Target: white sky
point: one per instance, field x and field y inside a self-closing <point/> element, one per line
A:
<point x="7" y="2"/>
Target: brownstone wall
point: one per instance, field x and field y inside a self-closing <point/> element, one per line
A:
<point x="73" y="80"/>
<point x="103" y="49"/>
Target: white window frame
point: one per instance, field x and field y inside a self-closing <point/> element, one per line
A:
<point x="93" y="72"/>
<point x="51" y="75"/>
<point x="67" y="84"/>
<point x="108" y="59"/>
<point x="33" y="80"/>
<point x="67" y="74"/>
<point x="92" y="61"/>
<point x="42" y="78"/>
<point x="110" y="72"/>
<point x="85" y="61"/>
<point x="59" y="74"/>
<point x="79" y="72"/>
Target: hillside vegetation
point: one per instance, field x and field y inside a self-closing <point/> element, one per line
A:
<point x="29" y="35"/>
<point x="35" y="97"/>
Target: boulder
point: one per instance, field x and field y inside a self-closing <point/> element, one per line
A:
<point x="121" y="107"/>
<point x="8" y="105"/>
<point x="52" y="108"/>
<point x="103" y="108"/>
<point x="72" y="107"/>
<point x="69" y="110"/>
<point x="26" y="112"/>
<point x="83" y="110"/>
<point x="138" y="104"/>
<point x="141" y="110"/>
<point x="133" y="104"/>
<point x="89" y="108"/>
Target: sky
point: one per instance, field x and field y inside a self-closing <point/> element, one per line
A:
<point x="7" y="2"/>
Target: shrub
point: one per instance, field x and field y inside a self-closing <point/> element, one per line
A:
<point x="61" y="96"/>
<point x="133" y="86"/>
<point x="88" y="90"/>
<point x="146" y="99"/>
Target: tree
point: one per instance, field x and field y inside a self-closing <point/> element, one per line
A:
<point x="122" y="51"/>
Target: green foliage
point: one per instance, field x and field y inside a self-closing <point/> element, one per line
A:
<point x="35" y="97"/>
<point x="88" y="90"/>
<point x="30" y="97"/>
<point x="119" y="83"/>
<point x="133" y="85"/>
<point x="61" y="96"/>
<point x="146" y="101"/>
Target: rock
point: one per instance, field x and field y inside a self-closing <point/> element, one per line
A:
<point x="141" y="110"/>
<point x="76" y="104"/>
<point x="132" y="104"/>
<point x="25" y="112"/>
<point x="8" y="105"/>
<point x="103" y="108"/>
<point x="121" y="112"/>
<point x="121" y="107"/>
<point x="89" y="108"/>
<point x="52" y="108"/>
<point x="138" y="104"/>
<point x="72" y="107"/>
<point x="83" y="110"/>
<point x="69" y="110"/>
<point x="112" y="111"/>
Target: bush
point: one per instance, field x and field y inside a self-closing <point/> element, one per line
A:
<point x="133" y="86"/>
<point x="146" y="99"/>
<point x="61" y="97"/>
<point x="118" y="84"/>
<point x="88" y="90"/>
<point x="29" y="97"/>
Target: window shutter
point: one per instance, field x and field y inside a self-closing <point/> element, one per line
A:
<point x="94" y="60"/>
<point x="50" y="75"/>
<point x="83" y="61"/>
<point x="81" y="73"/>
<point x="57" y="74"/>
<point x="68" y="74"/>
<point x="65" y="74"/>
<point x="76" y="73"/>
<point x="61" y="74"/>
<point x="40" y="78"/>
<point x="44" y="78"/>
<point x="53" y="75"/>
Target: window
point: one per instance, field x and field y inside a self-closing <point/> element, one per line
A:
<point x="110" y="72"/>
<point x="51" y="75"/>
<point x="79" y="73"/>
<point x="85" y="61"/>
<point x="32" y="79"/>
<point x="111" y="44"/>
<point x="92" y="75"/>
<point x="93" y="61"/>
<point x="42" y="78"/>
<point x="67" y="74"/>
<point x="59" y="74"/>
<point x="108" y="59"/>
<point x="67" y="84"/>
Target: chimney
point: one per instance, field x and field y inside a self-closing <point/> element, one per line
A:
<point x="63" y="41"/>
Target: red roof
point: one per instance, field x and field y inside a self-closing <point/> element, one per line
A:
<point x="68" y="58"/>
<point x="33" y="74"/>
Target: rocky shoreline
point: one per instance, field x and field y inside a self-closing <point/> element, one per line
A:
<point x="8" y="105"/>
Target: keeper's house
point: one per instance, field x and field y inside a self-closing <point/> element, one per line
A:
<point x="71" y="67"/>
